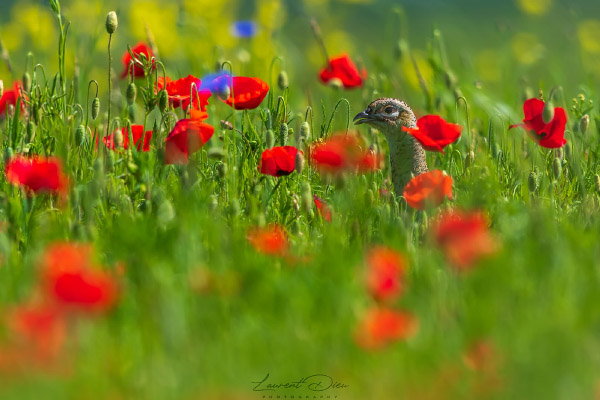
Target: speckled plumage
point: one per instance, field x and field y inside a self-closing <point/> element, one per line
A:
<point x="407" y="157"/>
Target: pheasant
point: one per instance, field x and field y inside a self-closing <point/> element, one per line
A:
<point x="407" y="156"/>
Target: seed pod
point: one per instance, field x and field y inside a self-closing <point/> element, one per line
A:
<point x="282" y="80"/>
<point x="26" y="82"/>
<point x="95" y="108"/>
<point x="305" y="130"/>
<point x="559" y="153"/>
<point x="112" y="23"/>
<point x="30" y="131"/>
<point x="299" y="161"/>
<point x="306" y="197"/>
<point x="110" y="161"/>
<point x="269" y="138"/>
<point x="557" y="168"/>
<point x="283" y="134"/>
<point x="79" y="135"/>
<point x="533" y="182"/>
<point x="163" y="100"/>
<point x="597" y="183"/>
<point x="548" y="112"/>
<point x="567" y="148"/>
<point x="131" y="93"/>
<point x="584" y="123"/>
<point x="228" y="126"/>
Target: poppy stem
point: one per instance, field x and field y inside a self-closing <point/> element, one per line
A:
<point x="317" y="31"/>
<point x="274" y="189"/>
<point x="109" y="84"/>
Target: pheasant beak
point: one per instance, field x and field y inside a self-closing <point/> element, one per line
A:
<point x="362" y="118"/>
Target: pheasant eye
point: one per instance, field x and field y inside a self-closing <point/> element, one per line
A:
<point x="389" y="110"/>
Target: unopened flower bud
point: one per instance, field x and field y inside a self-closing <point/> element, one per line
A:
<point x="269" y="138"/>
<point x="79" y="135"/>
<point x="557" y="168"/>
<point x="299" y="161"/>
<point x="95" y="108"/>
<point x="548" y="112"/>
<point x="400" y="49"/>
<point x="283" y="134"/>
<point x="567" y="148"/>
<point x="112" y="23"/>
<point x="305" y="130"/>
<point x="282" y="80"/>
<point x="163" y="100"/>
<point x="584" y="123"/>
<point x="597" y="183"/>
<point x="559" y="153"/>
<point x="228" y="126"/>
<point x="306" y="197"/>
<point x="222" y="170"/>
<point x="118" y="139"/>
<point x="533" y="182"/>
<point x="469" y="158"/>
<point x="30" y="131"/>
<point x="131" y="93"/>
<point x="26" y="82"/>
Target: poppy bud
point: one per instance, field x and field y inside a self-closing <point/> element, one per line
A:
<point x="584" y="123"/>
<point x="295" y="204"/>
<point x="305" y="130"/>
<point x="131" y="93"/>
<point x="112" y="23"/>
<point x="548" y="112"/>
<point x="98" y="167"/>
<point x="306" y="197"/>
<point x="469" y="158"/>
<point x="30" y="131"/>
<point x="132" y="167"/>
<point x="299" y="161"/>
<point x="296" y="227"/>
<point x="222" y="170"/>
<point x="282" y="80"/>
<point x="26" y="81"/>
<point x="533" y="182"/>
<point x="400" y="48"/>
<point x="95" y="108"/>
<point x="226" y="125"/>
<point x="269" y="138"/>
<point x="567" y="151"/>
<point x="163" y="100"/>
<point x="557" y="168"/>
<point x="8" y="153"/>
<point x="261" y="221"/>
<point x="559" y="153"/>
<point x="283" y="134"/>
<point x="165" y="212"/>
<point x="597" y="182"/>
<point x="79" y="134"/>
<point x="118" y="139"/>
<point x="214" y="202"/>
<point x="235" y="207"/>
<point x="1" y="87"/>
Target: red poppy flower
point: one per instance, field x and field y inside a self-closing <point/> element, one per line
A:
<point x="138" y="71"/>
<point x="9" y="97"/>
<point x="385" y="272"/>
<point x="550" y="135"/>
<point x="343" y="69"/>
<point x="278" y="161"/>
<point x="343" y="152"/>
<point x="41" y="328"/>
<point x="382" y="326"/>
<point x="464" y="238"/>
<point x="434" y="133"/>
<point x="270" y="240"/>
<point x="322" y="208"/>
<point x="37" y="174"/>
<point x="137" y="133"/>
<point x="179" y="92"/>
<point x="428" y="190"/>
<point x="71" y="279"/>
<point x="187" y="137"/>
<point x="246" y="93"/>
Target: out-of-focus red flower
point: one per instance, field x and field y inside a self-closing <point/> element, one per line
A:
<point x="137" y="133"/>
<point x="481" y="355"/>
<point x="382" y="326"/>
<point x="72" y="280"/>
<point x="341" y="153"/>
<point x="9" y="97"/>
<point x="464" y="237"/>
<point x="434" y="133"/>
<point x="246" y="93"/>
<point x="39" y="328"/>
<point x="278" y="161"/>
<point x="428" y="190"/>
<point x="322" y="208"/>
<point x="37" y="174"/>
<point x="270" y="240"/>
<point x="343" y="69"/>
<point x="550" y="135"/>
<point x="179" y="92"/>
<point x="385" y="273"/>
<point x="187" y="137"/>
<point x="138" y="71"/>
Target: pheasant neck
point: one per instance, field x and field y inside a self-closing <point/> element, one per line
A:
<point x="407" y="159"/>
